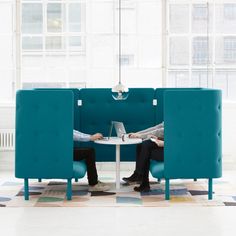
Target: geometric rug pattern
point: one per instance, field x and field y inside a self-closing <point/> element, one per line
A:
<point x="50" y="193"/>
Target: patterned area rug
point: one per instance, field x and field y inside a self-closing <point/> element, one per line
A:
<point x="52" y="194"/>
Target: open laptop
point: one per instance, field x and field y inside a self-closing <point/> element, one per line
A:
<point x="119" y="127"/>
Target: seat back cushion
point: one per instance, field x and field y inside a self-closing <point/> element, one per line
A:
<point x="44" y="137"/>
<point x="193" y="138"/>
<point x="99" y="109"/>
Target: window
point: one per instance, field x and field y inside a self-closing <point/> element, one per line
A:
<point x="178" y="18"/>
<point x="200" y="12"/>
<point x="53" y="43"/>
<point x="75" y="42"/>
<point x="225" y="18"/>
<point x="200" y="50"/>
<point x="126" y="60"/>
<point x="199" y="56"/>
<point x="55" y="23"/>
<point x="179" y="51"/>
<point x="50" y="26"/>
<point x="202" y="18"/>
<point x="230" y="11"/>
<point x="7" y="55"/>
<point x="230" y="49"/>
<point x="32" y="18"/>
<point x="67" y="43"/>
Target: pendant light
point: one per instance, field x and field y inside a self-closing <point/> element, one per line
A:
<point x="120" y="91"/>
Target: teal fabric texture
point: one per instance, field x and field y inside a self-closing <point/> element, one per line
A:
<point x="99" y="109"/>
<point x="45" y="119"/>
<point x="157" y="169"/>
<point x="44" y="135"/>
<point x="79" y="169"/>
<point x="193" y="134"/>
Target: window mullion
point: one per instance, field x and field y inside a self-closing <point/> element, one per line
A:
<point x="44" y="34"/>
<point x="214" y="44"/>
<point x="18" y="60"/>
<point x="165" y="42"/>
<point x="190" y="41"/>
<point x="67" y="46"/>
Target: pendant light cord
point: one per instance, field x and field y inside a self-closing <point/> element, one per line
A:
<point x="119" y="38"/>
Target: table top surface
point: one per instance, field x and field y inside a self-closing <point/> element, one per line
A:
<point x="118" y="141"/>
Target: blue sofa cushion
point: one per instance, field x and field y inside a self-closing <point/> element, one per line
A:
<point x="79" y="169"/>
<point x="157" y="169"/>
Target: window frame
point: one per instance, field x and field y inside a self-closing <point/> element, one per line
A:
<point x="212" y="68"/>
<point x="212" y="35"/>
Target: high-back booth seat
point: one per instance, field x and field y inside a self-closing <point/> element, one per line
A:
<point x="192" y="118"/>
<point x="44" y="137"/>
<point x="193" y="137"/>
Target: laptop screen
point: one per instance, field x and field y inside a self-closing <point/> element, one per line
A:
<point x="119" y="127"/>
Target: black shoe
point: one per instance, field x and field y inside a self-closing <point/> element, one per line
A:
<point x="142" y="188"/>
<point x="133" y="179"/>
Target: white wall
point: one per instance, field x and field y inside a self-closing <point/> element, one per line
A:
<point x="7" y="117"/>
<point x="7" y="120"/>
<point x="229" y="133"/>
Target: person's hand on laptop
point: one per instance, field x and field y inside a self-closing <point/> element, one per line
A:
<point x="96" y="136"/>
<point x="134" y="135"/>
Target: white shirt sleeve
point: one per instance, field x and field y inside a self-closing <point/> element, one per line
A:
<point x="79" y="136"/>
<point x="151" y="129"/>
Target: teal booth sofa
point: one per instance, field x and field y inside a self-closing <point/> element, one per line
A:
<point x="192" y="119"/>
<point x="44" y="137"/>
<point x="193" y="137"/>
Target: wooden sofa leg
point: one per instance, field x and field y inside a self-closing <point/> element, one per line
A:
<point x="210" y="187"/>
<point x="69" y="189"/>
<point x="167" y="190"/>
<point x="26" y="189"/>
<point x="39" y="180"/>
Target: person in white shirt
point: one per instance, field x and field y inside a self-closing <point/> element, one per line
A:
<point x="88" y="154"/>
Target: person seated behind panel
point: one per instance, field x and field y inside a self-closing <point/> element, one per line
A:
<point x="152" y="147"/>
<point x="88" y="154"/>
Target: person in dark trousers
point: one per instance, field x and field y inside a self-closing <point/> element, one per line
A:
<point x="88" y="154"/>
<point x="152" y="147"/>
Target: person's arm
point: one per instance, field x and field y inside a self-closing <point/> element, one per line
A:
<point x="79" y="136"/>
<point x="158" y="133"/>
<point x="143" y="134"/>
<point x="151" y="129"/>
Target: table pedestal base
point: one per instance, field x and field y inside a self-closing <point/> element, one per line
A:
<point x="117" y="166"/>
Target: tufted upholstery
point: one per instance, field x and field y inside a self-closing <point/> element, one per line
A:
<point x="159" y="95"/>
<point x="193" y="134"/>
<point x="44" y="135"/>
<point x="99" y="109"/>
<point x="76" y="98"/>
<point x="192" y="118"/>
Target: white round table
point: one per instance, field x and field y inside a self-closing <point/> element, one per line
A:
<point x="118" y="141"/>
